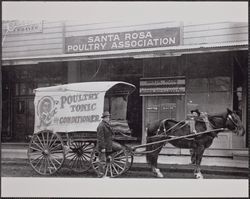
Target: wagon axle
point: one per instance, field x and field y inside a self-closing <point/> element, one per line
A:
<point x="78" y="151"/>
<point x="46" y="152"/>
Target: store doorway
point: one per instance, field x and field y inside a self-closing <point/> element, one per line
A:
<point x="23" y="118"/>
<point x="163" y="107"/>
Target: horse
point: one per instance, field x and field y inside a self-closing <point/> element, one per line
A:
<point x="166" y="129"/>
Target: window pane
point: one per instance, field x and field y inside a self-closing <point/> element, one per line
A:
<point x="197" y="101"/>
<point x="219" y="102"/>
<point x="16" y="89"/>
<point x="22" y="89"/>
<point x="215" y="102"/>
<point x="119" y="108"/>
<point x="219" y="84"/>
<point x="197" y="85"/>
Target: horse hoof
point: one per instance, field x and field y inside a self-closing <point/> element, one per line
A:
<point x="199" y="176"/>
<point x="158" y="173"/>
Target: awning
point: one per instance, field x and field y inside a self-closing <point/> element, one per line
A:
<point x="134" y="53"/>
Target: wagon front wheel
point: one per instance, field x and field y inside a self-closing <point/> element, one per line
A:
<point x="78" y="157"/>
<point x="111" y="165"/>
<point x="46" y="152"/>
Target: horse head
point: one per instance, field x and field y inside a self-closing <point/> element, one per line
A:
<point x="234" y="123"/>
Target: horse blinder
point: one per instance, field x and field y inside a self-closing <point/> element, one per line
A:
<point x="236" y="126"/>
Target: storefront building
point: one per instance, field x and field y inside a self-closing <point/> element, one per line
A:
<point x="175" y="67"/>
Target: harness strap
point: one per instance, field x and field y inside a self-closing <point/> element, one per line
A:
<point x="164" y="127"/>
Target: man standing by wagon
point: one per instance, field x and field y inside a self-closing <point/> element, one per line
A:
<point x="105" y="145"/>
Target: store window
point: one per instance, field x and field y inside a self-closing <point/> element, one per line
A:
<point x="209" y="82"/>
<point x="210" y="95"/>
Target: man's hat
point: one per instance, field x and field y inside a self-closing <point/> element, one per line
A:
<point x="105" y="114"/>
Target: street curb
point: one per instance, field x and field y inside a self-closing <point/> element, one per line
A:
<point x="190" y="169"/>
<point x="215" y="170"/>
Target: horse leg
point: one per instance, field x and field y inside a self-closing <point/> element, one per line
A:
<point x="199" y="154"/>
<point x="152" y="160"/>
<point x="193" y="156"/>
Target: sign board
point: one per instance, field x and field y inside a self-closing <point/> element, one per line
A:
<point x="162" y="86"/>
<point x="23" y="27"/>
<point x="123" y="40"/>
<point x="68" y="111"/>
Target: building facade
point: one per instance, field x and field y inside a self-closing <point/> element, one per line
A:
<point x="175" y="67"/>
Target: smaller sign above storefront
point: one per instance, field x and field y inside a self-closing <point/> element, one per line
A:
<point x="162" y="86"/>
<point x="123" y="40"/>
<point x="18" y="26"/>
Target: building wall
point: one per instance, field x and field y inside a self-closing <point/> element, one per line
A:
<point x="198" y="68"/>
<point x="51" y="40"/>
<point x="47" y="42"/>
<point x="18" y="97"/>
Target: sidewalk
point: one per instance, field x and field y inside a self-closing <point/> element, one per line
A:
<point x="173" y="162"/>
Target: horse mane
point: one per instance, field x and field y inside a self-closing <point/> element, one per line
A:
<point x="215" y="117"/>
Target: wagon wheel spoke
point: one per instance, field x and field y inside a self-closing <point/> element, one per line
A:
<point x="118" y="163"/>
<point x="41" y="144"/>
<point x="114" y="168"/>
<point x="130" y="162"/>
<point x="36" y="158"/>
<point x="37" y="145"/>
<point x="106" y="168"/>
<point x="36" y="150"/>
<point x="111" y="170"/>
<point x="78" y="158"/>
<point x="96" y="163"/>
<point x="46" y="153"/>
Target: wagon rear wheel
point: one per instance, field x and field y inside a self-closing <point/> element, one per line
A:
<point x="46" y="152"/>
<point x="114" y="164"/>
<point x="79" y="155"/>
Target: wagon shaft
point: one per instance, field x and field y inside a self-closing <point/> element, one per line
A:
<point x="174" y="138"/>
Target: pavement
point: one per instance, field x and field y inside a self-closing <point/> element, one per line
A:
<point x="181" y="163"/>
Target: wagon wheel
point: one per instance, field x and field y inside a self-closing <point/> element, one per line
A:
<point x="78" y="157"/>
<point x="114" y="165"/>
<point x="130" y="162"/>
<point x="46" y="152"/>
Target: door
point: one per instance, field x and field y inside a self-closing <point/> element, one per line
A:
<point x="23" y="118"/>
<point x="164" y="107"/>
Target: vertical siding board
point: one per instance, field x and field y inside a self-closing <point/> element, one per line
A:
<point x="216" y="39"/>
<point x="216" y="32"/>
<point x="32" y="53"/>
<point x="212" y="26"/>
<point x="33" y="42"/>
<point x="32" y="47"/>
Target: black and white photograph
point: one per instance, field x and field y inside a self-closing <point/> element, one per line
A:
<point x="124" y="99"/>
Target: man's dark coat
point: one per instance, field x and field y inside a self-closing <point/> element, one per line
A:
<point x="104" y="136"/>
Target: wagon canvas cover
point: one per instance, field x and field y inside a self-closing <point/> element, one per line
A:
<point x="71" y="107"/>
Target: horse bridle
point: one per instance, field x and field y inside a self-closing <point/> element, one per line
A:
<point x="230" y="118"/>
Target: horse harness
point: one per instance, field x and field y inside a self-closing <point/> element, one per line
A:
<point x="230" y="118"/>
<point x="164" y="133"/>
